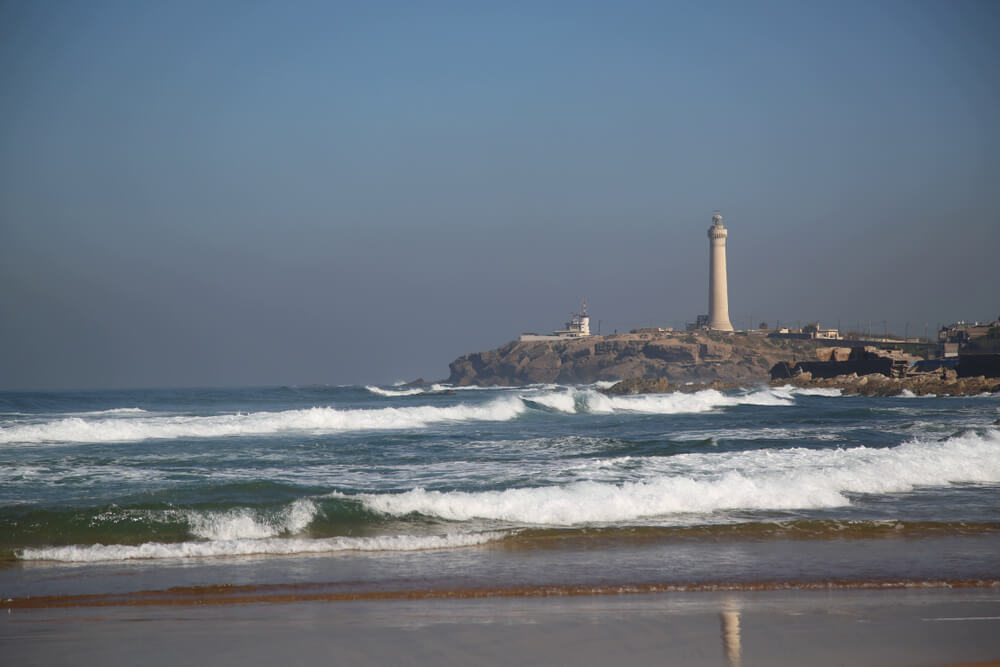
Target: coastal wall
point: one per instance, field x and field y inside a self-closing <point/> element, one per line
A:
<point x="688" y="357"/>
<point x="831" y="369"/>
<point x="972" y="365"/>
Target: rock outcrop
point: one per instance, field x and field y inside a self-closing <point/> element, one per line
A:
<point x="701" y="357"/>
<point x="663" y="386"/>
<point x="880" y="385"/>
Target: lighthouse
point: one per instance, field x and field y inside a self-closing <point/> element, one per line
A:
<point x="718" y="290"/>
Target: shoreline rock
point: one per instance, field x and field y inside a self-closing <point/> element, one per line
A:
<point x="865" y="385"/>
<point x="880" y="385"/>
<point x="664" y="386"/>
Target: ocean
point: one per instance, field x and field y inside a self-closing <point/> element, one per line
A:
<point x="372" y="492"/>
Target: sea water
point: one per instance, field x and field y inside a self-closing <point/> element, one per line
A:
<point x="380" y="490"/>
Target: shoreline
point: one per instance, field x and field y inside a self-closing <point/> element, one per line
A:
<point x="271" y="594"/>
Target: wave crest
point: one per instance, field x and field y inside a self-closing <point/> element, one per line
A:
<point x="759" y="480"/>
<point x="255" y="547"/>
<point x="588" y="401"/>
<point x="314" y="420"/>
<point x="243" y="523"/>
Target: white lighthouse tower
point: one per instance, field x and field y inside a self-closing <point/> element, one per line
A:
<point x="718" y="289"/>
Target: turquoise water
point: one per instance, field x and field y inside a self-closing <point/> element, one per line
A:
<point x="533" y="486"/>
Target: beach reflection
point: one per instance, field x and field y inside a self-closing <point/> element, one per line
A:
<point x="730" y="616"/>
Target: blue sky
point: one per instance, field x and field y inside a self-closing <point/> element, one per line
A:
<point x="216" y="193"/>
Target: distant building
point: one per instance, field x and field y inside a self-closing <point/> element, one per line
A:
<point x="577" y="327"/>
<point x="964" y="339"/>
<point x="816" y="331"/>
<point x="810" y="331"/>
<point x="963" y="332"/>
<point x="700" y="322"/>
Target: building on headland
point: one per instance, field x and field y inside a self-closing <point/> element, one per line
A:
<point x="811" y="331"/>
<point x="700" y="322"/>
<point x="976" y="344"/>
<point x="718" y="289"/>
<point x="816" y="331"/>
<point x="962" y="332"/>
<point x="577" y="327"/>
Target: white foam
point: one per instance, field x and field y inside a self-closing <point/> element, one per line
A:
<point x="472" y="387"/>
<point x="812" y="391"/>
<point x="589" y="401"/>
<point x="906" y="393"/>
<point x="414" y="391"/>
<point x="563" y="401"/>
<point x="394" y="392"/>
<point x="774" y="479"/>
<point x="242" y="523"/>
<point x="249" y="547"/>
<point x="314" y="420"/>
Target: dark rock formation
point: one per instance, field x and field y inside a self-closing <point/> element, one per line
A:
<point x="663" y="386"/>
<point x="832" y="369"/>
<point x="971" y="365"/>
<point x="847" y="361"/>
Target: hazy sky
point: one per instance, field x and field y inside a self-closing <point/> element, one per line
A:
<point x="229" y="193"/>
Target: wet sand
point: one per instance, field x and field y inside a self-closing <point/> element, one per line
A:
<point x="735" y="628"/>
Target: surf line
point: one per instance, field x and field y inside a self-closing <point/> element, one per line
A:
<point x="964" y="618"/>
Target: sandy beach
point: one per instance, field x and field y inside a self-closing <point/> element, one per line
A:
<point x="840" y="627"/>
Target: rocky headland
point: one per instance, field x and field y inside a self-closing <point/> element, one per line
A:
<point x="673" y="357"/>
<point x="691" y="361"/>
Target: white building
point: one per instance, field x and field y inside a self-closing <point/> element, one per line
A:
<point x="577" y="327"/>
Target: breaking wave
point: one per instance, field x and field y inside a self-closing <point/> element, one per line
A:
<point x="436" y="387"/>
<point x="240" y="531"/>
<point x="394" y="392"/>
<point x="593" y="402"/>
<point x="134" y="424"/>
<point x="252" y="547"/>
<point x="243" y="523"/>
<point x="312" y="420"/>
<point x="810" y="391"/>
<point x="785" y="479"/>
<point x="113" y="426"/>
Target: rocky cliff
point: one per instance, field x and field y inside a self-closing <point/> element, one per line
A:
<point x="679" y="357"/>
